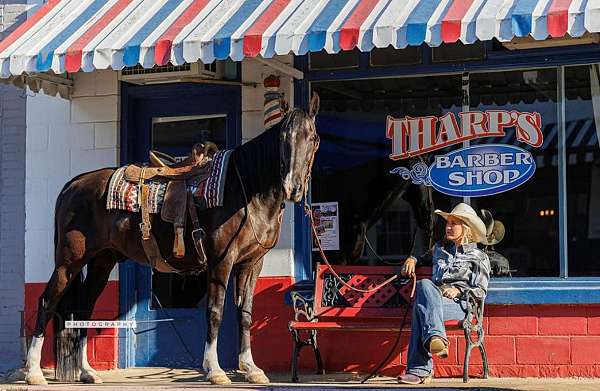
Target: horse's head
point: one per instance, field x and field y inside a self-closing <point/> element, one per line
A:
<point x="299" y="143"/>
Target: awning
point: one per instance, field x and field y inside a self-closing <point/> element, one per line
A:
<point x="73" y="35"/>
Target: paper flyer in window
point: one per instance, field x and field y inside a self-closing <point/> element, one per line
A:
<point x="325" y="217"/>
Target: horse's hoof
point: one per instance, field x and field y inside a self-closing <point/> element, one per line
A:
<point x="257" y="377"/>
<point x="219" y="379"/>
<point x="36" y="379"/>
<point x="89" y="377"/>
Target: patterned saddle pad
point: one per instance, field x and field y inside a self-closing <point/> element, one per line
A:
<point x="208" y="192"/>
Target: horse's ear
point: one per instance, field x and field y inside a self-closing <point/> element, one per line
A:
<point x="314" y="105"/>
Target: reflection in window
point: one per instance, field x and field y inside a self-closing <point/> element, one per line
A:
<point x="531" y="243"/>
<point x="582" y="125"/>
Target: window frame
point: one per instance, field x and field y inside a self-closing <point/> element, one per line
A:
<point x="519" y="290"/>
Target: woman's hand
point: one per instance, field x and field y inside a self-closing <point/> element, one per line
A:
<point x="408" y="269"/>
<point x="450" y="292"/>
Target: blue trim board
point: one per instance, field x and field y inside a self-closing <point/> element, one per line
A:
<point x="544" y="291"/>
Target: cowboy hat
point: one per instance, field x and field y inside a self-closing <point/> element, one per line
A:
<point x="468" y="216"/>
<point x="495" y="230"/>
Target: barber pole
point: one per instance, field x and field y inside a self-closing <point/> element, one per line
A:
<point x="273" y="111"/>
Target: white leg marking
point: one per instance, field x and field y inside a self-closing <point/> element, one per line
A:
<point x="253" y="373"/>
<point x="34" y="356"/>
<point x="211" y="358"/>
<point x="246" y="360"/>
<point x="214" y="373"/>
<point x="88" y="374"/>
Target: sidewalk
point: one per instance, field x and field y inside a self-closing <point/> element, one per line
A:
<point x="148" y="379"/>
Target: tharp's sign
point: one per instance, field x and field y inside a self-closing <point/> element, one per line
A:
<point x="473" y="171"/>
<point x="415" y="136"/>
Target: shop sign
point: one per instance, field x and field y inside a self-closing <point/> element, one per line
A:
<point x="475" y="171"/>
<point x="415" y="136"/>
<point x="472" y="171"/>
<point x="481" y="170"/>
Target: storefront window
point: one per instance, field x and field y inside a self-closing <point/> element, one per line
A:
<point x="582" y="127"/>
<point x="381" y="214"/>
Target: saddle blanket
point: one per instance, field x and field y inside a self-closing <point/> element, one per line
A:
<point x="208" y="192"/>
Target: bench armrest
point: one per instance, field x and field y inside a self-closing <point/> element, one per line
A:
<point x="303" y="307"/>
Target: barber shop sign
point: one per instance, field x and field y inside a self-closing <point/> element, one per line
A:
<point x="473" y="171"/>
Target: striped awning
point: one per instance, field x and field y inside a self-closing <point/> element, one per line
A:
<point x="73" y="35"/>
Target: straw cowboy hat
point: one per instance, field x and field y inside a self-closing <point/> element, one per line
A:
<point x="468" y="216"/>
<point x="495" y="230"/>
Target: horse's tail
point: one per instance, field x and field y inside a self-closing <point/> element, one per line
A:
<point x="68" y="341"/>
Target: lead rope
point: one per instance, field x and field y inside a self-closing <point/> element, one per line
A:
<point x="336" y="275"/>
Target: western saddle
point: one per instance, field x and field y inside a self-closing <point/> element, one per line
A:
<point x="176" y="200"/>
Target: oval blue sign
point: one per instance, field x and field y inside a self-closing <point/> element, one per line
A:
<point x="481" y="170"/>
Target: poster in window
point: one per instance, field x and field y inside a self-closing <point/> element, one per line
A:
<point x="325" y="216"/>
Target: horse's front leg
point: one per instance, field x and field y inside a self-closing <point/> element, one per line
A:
<point x="218" y="277"/>
<point x="245" y="284"/>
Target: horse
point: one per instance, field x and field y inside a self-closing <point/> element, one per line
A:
<point x="265" y="172"/>
<point x="364" y="197"/>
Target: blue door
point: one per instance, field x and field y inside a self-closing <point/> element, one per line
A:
<point x="171" y="310"/>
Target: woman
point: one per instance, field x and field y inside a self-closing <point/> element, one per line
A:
<point x="458" y="266"/>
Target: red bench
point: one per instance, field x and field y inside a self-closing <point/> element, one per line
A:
<point x="335" y="307"/>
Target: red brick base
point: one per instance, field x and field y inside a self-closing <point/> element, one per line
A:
<point x="521" y="340"/>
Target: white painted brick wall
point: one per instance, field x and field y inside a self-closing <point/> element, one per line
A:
<point x="12" y="202"/>
<point x="65" y="138"/>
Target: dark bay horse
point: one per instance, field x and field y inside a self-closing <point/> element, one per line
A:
<point x="264" y="173"/>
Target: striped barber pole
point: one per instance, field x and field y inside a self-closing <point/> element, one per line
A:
<point x="83" y="35"/>
<point x="273" y="111"/>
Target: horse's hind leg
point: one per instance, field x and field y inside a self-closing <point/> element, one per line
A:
<point x="98" y="272"/>
<point x="245" y="281"/>
<point x="70" y="258"/>
<point x="218" y="277"/>
<point x="59" y="281"/>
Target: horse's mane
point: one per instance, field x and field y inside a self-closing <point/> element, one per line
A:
<point x="258" y="160"/>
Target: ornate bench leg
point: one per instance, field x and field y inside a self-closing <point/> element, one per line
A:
<point x="313" y="342"/>
<point x="468" y="348"/>
<point x="298" y="345"/>
<point x="486" y="370"/>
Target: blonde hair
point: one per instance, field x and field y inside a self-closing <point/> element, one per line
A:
<point x="467" y="235"/>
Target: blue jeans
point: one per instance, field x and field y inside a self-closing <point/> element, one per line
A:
<point x="430" y="310"/>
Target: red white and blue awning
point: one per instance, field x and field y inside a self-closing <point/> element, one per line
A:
<point x="73" y="35"/>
